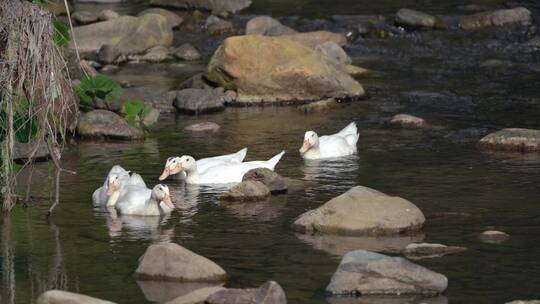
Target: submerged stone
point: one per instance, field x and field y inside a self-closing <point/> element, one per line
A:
<point x="64" y="297"/>
<point x="267" y="26"/>
<point x="249" y="190"/>
<point x="408" y="121"/>
<point x="494" y="237"/>
<point x="409" y="17"/>
<point x="173" y="19"/>
<point x="231" y="6"/>
<point x="427" y="250"/>
<point x="107" y="124"/>
<point x="271" y="179"/>
<point x="513" y="139"/>
<point x="496" y="18"/>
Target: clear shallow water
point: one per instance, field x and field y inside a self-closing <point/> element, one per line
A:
<point x="462" y="190"/>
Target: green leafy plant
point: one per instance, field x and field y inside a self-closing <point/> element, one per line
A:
<point x="24" y="125"/>
<point x="131" y="110"/>
<point x="61" y="34"/>
<point x="100" y="86"/>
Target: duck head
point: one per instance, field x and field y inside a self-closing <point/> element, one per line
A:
<point x="161" y="193"/>
<point x="113" y="182"/>
<point x="172" y="166"/>
<point x="311" y="139"/>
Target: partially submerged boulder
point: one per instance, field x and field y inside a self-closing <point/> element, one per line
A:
<point x="496" y="18"/>
<point x="267" y="26"/>
<point x="494" y="236"/>
<point x="408" y="121"/>
<point x="513" y="139"/>
<point x="31" y="150"/>
<point x="173" y="19"/>
<point x="130" y="35"/>
<point x="278" y="69"/>
<point x="84" y="17"/>
<point x="218" y="26"/>
<point x="151" y="96"/>
<point x="107" y="124"/>
<point x="172" y="262"/>
<point x="197" y="101"/>
<point x="426" y="250"/>
<point x="64" y="297"/>
<point x="269" y="178"/>
<point x="412" y="18"/>
<point x="187" y="52"/>
<point x="363" y="272"/>
<point x="314" y="39"/>
<point x="230" y="6"/>
<point x="206" y="126"/>
<point x="362" y="211"/>
<point x="250" y="190"/>
<point x="268" y="293"/>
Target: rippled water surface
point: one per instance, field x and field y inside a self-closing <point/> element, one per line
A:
<point x="461" y="189"/>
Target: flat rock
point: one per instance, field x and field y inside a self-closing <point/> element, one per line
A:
<point x="206" y="126"/>
<point x="172" y="262"/>
<point x="412" y="18"/>
<point x="173" y="19"/>
<point x="408" y="121"/>
<point x="130" y="35"/>
<point x="277" y="69"/>
<point x="218" y="26"/>
<point x="271" y="179"/>
<point x="250" y="190"/>
<point x="321" y="105"/>
<point x="197" y="101"/>
<point x="496" y="18"/>
<point x="163" y="291"/>
<point x="64" y="297"/>
<point x="494" y="237"/>
<point x="187" y="52"/>
<point x="156" y="54"/>
<point x="314" y="39"/>
<point x="513" y="139"/>
<point x="334" y="52"/>
<point x="84" y="17"/>
<point x="24" y="151"/>
<point x="268" y="293"/>
<point x="363" y="272"/>
<point x="230" y="6"/>
<point x="106" y="124"/>
<point x="196" y="296"/>
<point x="151" y="96"/>
<point x="524" y="302"/>
<point x="197" y="81"/>
<point x="267" y="26"/>
<point x="362" y="211"/>
<point x="107" y="14"/>
<point x="427" y="250"/>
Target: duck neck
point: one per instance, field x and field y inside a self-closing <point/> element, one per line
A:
<point x="313" y="152"/>
<point x="192" y="175"/>
<point x="111" y="201"/>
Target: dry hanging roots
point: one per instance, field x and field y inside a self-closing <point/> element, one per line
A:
<point x="32" y="67"/>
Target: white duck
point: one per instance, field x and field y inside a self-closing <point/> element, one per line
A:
<point x="225" y="173"/>
<point x="117" y="176"/>
<point x="172" y="165"/>
<point x="340" y="144"/>
<point x="117" y="184"/>
<point x="136" y="200"/>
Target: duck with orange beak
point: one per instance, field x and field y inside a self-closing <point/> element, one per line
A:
<point x="145" y="202"/>
<point x="336" y="145"/>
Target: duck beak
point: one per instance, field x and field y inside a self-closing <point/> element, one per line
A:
<point x="165" y="174"/>
<point x="305" y="146"/>
<point x="110" y="188"/>
<point x="168" y="202"/>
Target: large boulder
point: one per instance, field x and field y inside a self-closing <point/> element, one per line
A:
<point x="364" y="272"/>
<point x="362" y="211"/>
<point x="106" y="124"/>
<point x="267" y="26"/>
<point x="230" y="6"/>
<point x="335" y="52"/>
<point x="64" y="297"/>
<point x="278" y="69"/>
<point x="130" y="35"/>
<point x="496" y="18"/>
<point x="269" y="178"/>
<point x="250" y="190"/>
<point x="197" y="101"/>
<point x="513" y="139"/>
<point x="172" y="262"/>
<point x="173" y="19"/>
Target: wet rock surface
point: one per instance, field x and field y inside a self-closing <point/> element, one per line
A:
<point x="172" y="262"/>
<point x="34" y="150"/>
<point x="197" y="101"/>
<point x="267" y="26"/>
<point x="408" y="121"/>
<point x="249" y="190"/>
<point x="271" y="179"/>
<point x="496" y="18"/>
<point x="64" y="297"/>
<point x="513" y="139"/>
<point x="268" y="293"/>
<point x="187" y="52"/>
<point x="427" y="250"/>
<point x="275" y="69"/>
<point x="231" y="6"/>
<point x="362" y="211"/>
<point x="151" y="96"/>
<point x="107" y="124"/>
<point x="409" y="17"/>
<point x="363" y="272"/>
<point x="205" y="127"/>
<point x="494" y="237"/>
<point x="173" y="19"/>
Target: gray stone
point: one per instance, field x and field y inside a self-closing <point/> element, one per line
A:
<point x="321" y="105"/>
<point x="494" y="237"/>
<point x="172" y="262"/>
<point x="173" y="19"/>
<point x="363" y="272"/>
<point x="203" y="127"/>
<point x="496" y="18"/>
<point x="524" y="302"/>
<point x="197" y="81"/>
<point x="513" y="139"/>
<point x="151" y="96"/>
<point x="187" y="52"/>
<point x="267" y="26"/>
<point x="84" y="17"/>
<point x="231" y="6"/>
<point x="218" y="26"/>
<point x="107" y="14"/>
<point x="246" y="191"/>
<point x="197" y="101"/>
<point x="427" y="250"/>
<point x="408" y="121"/>
<point x="24" y="151"/>
<point x="64" y="297"/>
<point x="271" y="179"/>
<point x="156" y="54"/>
<point x="163" y="291"/>
<point x="232" y="296"/>
<point x="197" y="296"/>
<point x="409" y="17"/>
<point x="106" y="124"/>
<point x="334" y="52"/>
<point x="108" y="54"/>
<point x="362" y="211"/>
<point x="270" y="293"/>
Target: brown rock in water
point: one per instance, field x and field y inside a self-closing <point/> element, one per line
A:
<point x="130" y="35"/>
<point x="84" y="17"/>
<point x="249" y="190"/>
<point x="362" y="211"/>
<point x="409" y="17"/>
<point x="267" y="26"/>
<point x="427" y="250"/>
<point x="197" y="296"/>
<point x="218" y="26"/>
<point x="198" y="101"/>
<point x="314" y="39"/>
<point x="271" y="179"/>
<point x="107" y="124"/>
<point x="496" y="18"/>
<point x="187" y="52"/>
<point x="64" y="297"/>
<point x="494" y="237"/>
<point x="363" y="272"/>
<point x="207" y="126"/>
<point x="173" y="19"/>
<point x="230" y="6"/>
<point x="156" y="54"/>
<point x="277" y="69"/>
<point x="107" y="14"/>
<point x="268" y="293"/>
<point x="408" y="121"/>
<point x="24" y="151"/>
<point x="172" y="262"/>
<point x="151" y="96"/>
<point x="513" y="139"/>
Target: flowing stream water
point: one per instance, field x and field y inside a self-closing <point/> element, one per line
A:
<point x="462" y="190"/>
